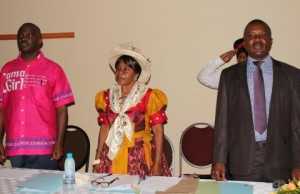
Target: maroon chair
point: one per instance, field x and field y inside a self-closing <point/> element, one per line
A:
<point x="196" y="148"/>
<point x="76" y="141"/>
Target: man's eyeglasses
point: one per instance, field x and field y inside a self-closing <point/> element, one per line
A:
<point x="101" y="182"/>
<point x="101" y="177"/>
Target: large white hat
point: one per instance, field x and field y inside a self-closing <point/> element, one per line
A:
<point x="127" y="49"/>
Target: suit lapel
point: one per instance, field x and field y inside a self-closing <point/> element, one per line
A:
<point x="246" y="99"/>
<point x="245" y="90"/>
<point x="275" y="89"/>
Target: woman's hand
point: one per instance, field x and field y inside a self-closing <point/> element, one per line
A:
<point x="96" y="163"/>
<point x="101" y="140"/>
<point x="158" y="131"/>
<point x="96" y="168"/>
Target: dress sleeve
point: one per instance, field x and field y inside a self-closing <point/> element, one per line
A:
<point x="62" y="93"/>
<point x="100" y="104"/>
<point x="156" y="107"/>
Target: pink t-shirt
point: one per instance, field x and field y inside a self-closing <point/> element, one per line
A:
<point x="30" y="92"/>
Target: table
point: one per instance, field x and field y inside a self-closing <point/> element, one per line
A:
<point x="11" y="178"/>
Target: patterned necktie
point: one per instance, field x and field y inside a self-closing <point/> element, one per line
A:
<point x="260" y="115"/>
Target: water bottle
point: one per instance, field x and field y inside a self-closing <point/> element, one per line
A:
<point x="69" y="173"/>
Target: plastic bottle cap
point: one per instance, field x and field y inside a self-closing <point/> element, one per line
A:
<point x="69" y="155"/>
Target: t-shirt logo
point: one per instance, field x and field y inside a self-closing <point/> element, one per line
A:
<point x="18" y="80"/>
<point x="14" y="81"/>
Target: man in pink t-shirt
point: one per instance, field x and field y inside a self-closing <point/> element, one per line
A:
<point x="34" y="96"/>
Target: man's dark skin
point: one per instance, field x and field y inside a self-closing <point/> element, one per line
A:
<point x="30" y="42"/>
<point x="258" y="42"/>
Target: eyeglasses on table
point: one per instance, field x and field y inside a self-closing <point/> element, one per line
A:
<point x="100" y="181"/>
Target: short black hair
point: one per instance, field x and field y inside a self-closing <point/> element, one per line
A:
<point x="239" y="47"/>
<point x="241" y="50"/>
<point x="237" y="44"/>
<point x="131" y="62"/>
<point x="261" y="22"/>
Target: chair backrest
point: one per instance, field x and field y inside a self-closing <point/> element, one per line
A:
<point x="196" y="146"/>
<point x="77" y="142"/>
<point x="168" y="150"/>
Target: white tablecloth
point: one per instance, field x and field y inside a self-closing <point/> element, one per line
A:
<point x="11" y="178"/>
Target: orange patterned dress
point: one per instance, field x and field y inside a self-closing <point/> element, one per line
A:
<point x="136" y="156"/>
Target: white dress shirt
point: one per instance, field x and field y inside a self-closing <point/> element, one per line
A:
<point x="209" y="75"/>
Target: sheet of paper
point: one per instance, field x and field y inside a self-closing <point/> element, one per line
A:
<point x="43" y="182"/>
<point x="259" y="187"/>
<point x="158" y="183"/>
<point x="209" y="187"/>
<point x="224" y="187"/>
<point x="10" y="173"/>
<point x="184" y="186"/>
<point x="235" y="188"/>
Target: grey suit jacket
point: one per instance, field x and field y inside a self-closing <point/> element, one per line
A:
<point x="234" y="132"/>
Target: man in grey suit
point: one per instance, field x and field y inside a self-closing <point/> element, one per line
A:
<point x="257" y="125"/>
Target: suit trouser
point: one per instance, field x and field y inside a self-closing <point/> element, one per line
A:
<point x="257" y="167"/>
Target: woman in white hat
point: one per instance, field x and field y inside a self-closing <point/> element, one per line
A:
<point x="131" y="117"/>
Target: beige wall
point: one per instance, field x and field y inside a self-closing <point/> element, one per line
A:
<point x="179" y="35"/>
